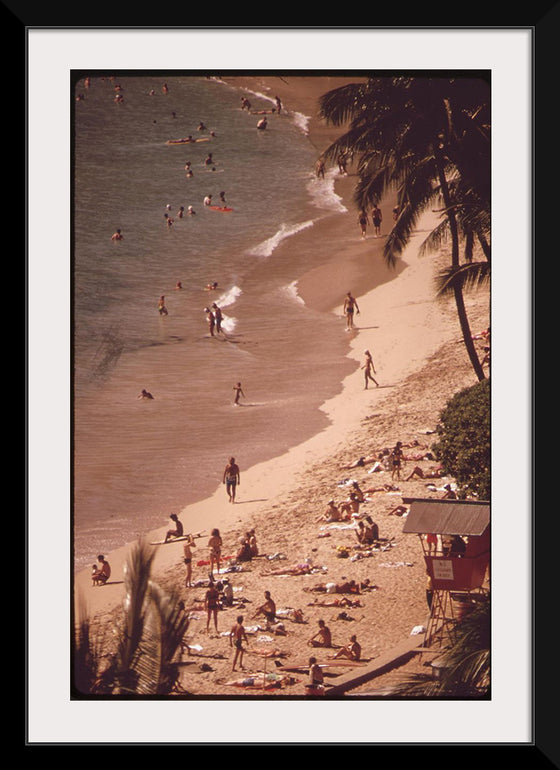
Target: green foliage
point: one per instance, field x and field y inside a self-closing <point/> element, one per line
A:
<point x="463" y="447"/>
<point x="147" y="638"/>
<point x="465" y="671"/>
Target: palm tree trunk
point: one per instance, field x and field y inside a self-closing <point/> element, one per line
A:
<point x="459" y="299"/>
<point x="485" y="246"/>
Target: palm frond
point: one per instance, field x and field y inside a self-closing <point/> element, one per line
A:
<point x="467" y="277"/>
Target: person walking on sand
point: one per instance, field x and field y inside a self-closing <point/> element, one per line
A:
<point x="368" y="367"/>
<point x="215" y="546"/>
<point x="363" y="222"/>
<point x="231" y="478"/>
<point x="237" y="636"/>
<point x="350" y="305"/>
<point x="376" y="217"/>
<point x="187" y="558"/>
<point x="238" y="392"/>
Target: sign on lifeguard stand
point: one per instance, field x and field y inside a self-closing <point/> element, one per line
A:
<point x="455" y="537"/>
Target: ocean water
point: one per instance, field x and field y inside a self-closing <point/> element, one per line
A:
<point x="136" y="460"/>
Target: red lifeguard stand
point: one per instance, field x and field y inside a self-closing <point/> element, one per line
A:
<point x="455" y="538"/>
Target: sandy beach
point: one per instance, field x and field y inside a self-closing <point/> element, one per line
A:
<point x="420" y="362"/>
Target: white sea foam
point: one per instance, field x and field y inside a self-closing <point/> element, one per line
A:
<point x="266" y="248"/>
<point x="292" y="291"/>
<point x="228" y="297"/>
<point x="302" y="121"/>
<point x="323" y="195"/>
<point x="228" y="323"/>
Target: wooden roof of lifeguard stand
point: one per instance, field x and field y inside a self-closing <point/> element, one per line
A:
<point x="469" y="518"/>
<point x="454" y="574"/>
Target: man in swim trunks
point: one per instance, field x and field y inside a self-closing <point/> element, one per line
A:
<point x="268" y="609"/>
<point x="349" y="305"/>
<point x="376" y="218"/>
<point x="237" y="636"/>
<point x="105" y="571"/>
<point x="231" y="478"/>
<point x="324" y="634"/>
<point x="177" y="532"/>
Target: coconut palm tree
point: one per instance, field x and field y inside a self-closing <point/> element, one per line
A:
<point x="148" y="637"/>
<point x="428" y="140"/>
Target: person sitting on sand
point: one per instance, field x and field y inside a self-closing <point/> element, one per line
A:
<point x="315" y="679"/>
<point x="449" y="493"/>
<point x="145" y="394"/>
<point x="104" y="572"/>
<point x="244" y="550"/>
<point x="268" y="609"/>
<point x="371" y="530"/>
<point x="253" y="543"/>
<point x="352" y="651"/>
<point x="350" y="506"/>
<point x="94" y="575"/>
<point x="177" y="532"/>
<point x="332" y="513"/>
<point x="324" y="634"/>
<point x="362" y="534"/>
<point x="358" y="492"/>
<point x="433" y="473"/>
<point x="226" y="593"/>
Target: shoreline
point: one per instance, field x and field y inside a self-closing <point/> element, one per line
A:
<point x="406" y="331"/>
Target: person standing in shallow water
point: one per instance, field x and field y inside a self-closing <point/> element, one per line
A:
<point x="211" y="320"/>
<point x="231" y="478"/>
<point x="238" y="392"/>
<point x="350" y="305"/>
<point x="218" y="317"/>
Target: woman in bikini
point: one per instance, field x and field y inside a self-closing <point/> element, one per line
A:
<point x="215" y="546"/>
<point x="187" y="550"/>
